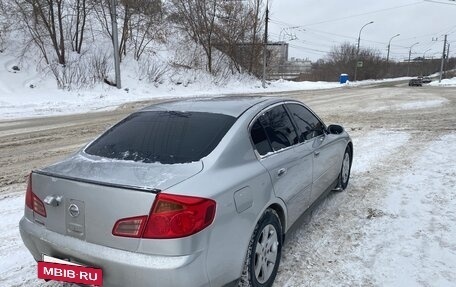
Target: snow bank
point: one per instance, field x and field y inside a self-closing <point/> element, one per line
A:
<point x="45" y="101"/>
<point x="414" y="243"/>
<point x="368" y="151"/>
<point x="421" y="104"/>
<point x="17" y="266"/>
<point x="29" y="93"/>
<point x="445" y="83"/>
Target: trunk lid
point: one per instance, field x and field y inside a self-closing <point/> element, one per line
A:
<point x="126" y="173"/>
<point x="93" y="195"/>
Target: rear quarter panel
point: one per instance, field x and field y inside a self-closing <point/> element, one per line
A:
<point x="233" y="166"/>
<point x="232" y="228"/>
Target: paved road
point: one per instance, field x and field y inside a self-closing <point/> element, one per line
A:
<point x="31" y="143"/>
<point x="392" y="128"/>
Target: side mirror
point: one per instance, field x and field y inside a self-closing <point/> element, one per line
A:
<point x="335" y="129"/>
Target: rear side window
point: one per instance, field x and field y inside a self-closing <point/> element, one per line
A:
<point x="308" y="125"/>
<point x="167" y="137"/>
<point x="259" y="138"/>
<point x="279" y="129"/>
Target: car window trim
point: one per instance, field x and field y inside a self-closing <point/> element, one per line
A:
<point x="261" y="113"/>
<point x="266" y="134"/>
<point x="325" y="128"/>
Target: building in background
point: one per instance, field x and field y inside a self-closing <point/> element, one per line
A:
<point x="249" y="57"/>
<point x="282" y="68"/>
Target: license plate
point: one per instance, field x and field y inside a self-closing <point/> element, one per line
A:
<point x="52" y="268"/>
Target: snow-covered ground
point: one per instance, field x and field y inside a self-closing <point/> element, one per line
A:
<point x="44" y="101"/>
<point x="409" y="239"/>
<point x="413" y="240"/>
<point x="27" y="93"/>
<point x="394" y="225"/>
<point x="445" y="83"/>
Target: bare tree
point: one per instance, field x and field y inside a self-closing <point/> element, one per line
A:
<point x="234" y="27"/>
<point x="6" y="23"/>
<point x="102" y="11"/>
<point x="239" y="33"/>
<point x="197" y="18"/>
<point x="141" y="23"/>
<point x="232" y="31"/>
<point x="79" y="20"/>
<point x="256" y="28"/>
<point x="44" y="20"/>
<point x="147" y="25"/>
<point x="128" y="10"/>
<point x="341" y="59"/>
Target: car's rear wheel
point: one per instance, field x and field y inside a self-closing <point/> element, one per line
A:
<point x="263" y="254"/>
<point x="344" y="175"/>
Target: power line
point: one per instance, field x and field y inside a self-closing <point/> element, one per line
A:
<point x="308" y="49"/>
<point x="357" y="15"/>
<point x="314" y="31"/>
<point x="363" y="14"/>
<point x="446" y="3"/>
<point x="339" y="35"/>
<point x="328" y="37"/>
<point x="448" y="30"/>
<point x="313" y="43"/>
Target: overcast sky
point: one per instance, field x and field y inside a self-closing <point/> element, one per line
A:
<point x="325" y="23"/>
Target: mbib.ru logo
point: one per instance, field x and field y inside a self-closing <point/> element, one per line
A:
<point x="70" y="273"/>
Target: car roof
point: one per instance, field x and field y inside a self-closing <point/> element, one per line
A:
<point x="228" y="105"/>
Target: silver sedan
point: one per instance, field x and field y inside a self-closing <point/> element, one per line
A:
<point x="196" y="192"/>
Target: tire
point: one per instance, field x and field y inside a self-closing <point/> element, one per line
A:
<point x="344" y="175"/>
<point x="264" y="252"/>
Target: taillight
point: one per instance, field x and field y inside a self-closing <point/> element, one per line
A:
<point x="32" y="201"/>
<point x="171" y="216"/>
<point x="130" y="227"/>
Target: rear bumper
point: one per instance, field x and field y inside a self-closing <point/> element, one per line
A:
<point x="120" y="268"/>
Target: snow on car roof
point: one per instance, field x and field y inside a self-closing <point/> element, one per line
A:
<point x="233" y="106"/>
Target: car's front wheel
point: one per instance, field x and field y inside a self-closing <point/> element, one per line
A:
<point x="344" y="176"/>
<point x="264" y="251"/>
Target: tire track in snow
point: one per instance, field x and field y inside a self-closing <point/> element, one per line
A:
<point x="319" y="248"/>
<point x="416" y="244"/>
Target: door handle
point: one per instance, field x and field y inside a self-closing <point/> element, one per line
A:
<point x="281" y="171"/>
<point x="317" y="153"/>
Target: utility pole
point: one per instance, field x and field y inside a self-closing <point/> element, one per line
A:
<point x="265" y="44"/>
<point x="443" y="58"/>
<point x="115" y="42"/>
<point x="447" y="57"/>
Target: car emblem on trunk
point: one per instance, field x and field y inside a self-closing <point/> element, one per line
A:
<point x="73" y="210"/>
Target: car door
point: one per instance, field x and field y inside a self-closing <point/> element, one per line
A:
<point x="325" y="150"/>
<point x="275" y="139"/>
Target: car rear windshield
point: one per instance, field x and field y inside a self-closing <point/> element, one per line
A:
<point x="167" y="137"/>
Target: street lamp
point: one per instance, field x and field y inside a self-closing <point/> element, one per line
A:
<point x="424" y="54"/>
<point x="388" y="55"/>
<point x="422" y="61"/>
<point x="410" y="54"/>
<point x="357" y="49"/>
